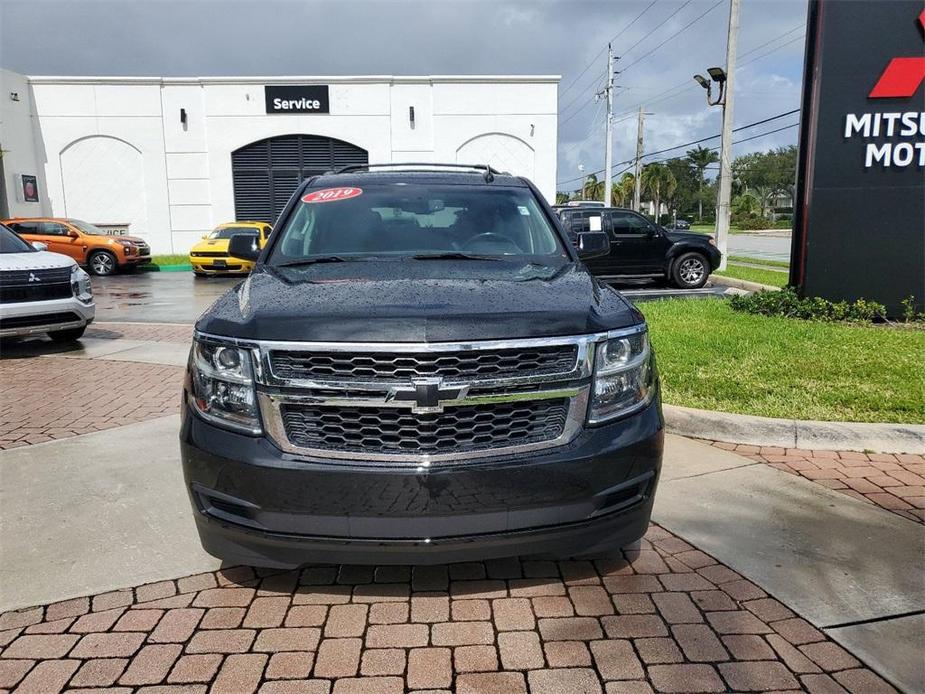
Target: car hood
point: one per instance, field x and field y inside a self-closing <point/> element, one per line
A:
<point x="211" y="245"/>
<point x="418" y="301"/>
<point x="678" y="235"/>
<point x="40" y="260"/>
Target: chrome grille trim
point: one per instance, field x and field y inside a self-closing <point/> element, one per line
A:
<point x="276" y="430"/>
<point x="273" y="391"/>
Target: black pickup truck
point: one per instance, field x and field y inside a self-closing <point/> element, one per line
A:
<point x="420" y="369"/>
<point x="641" y="249"/>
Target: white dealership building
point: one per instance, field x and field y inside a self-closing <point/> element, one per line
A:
<point x="169" y="158"/>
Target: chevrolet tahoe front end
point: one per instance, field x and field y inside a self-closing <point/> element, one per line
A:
<point x="421" y="409"/>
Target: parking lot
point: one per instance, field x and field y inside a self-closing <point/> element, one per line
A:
<point x="108" y="586"/>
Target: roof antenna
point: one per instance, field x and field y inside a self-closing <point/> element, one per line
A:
<point x="489" y="174"/>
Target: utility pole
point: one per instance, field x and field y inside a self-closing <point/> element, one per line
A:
<point x="724" y="195"/>
<point x="637" y="171"/>
<point x="608" y="151"/>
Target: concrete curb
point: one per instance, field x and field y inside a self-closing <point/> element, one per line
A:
<point x="795" y="433"/>
<point x="742" y="284"/>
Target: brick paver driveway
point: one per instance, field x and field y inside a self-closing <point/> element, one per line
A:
<point x="663" y="617"/>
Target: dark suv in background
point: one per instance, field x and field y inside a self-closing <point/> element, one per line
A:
<point x="419" y="369"/>
<point x="641" y="249"/>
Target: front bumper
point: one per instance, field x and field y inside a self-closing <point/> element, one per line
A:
<point x="257" y="505"/>
<point x="231" y="265"/>
<point x="33" y="317"/>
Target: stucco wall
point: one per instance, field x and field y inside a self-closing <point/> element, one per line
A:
<point x="21" y="152"/>
<point x="186" y="167"/>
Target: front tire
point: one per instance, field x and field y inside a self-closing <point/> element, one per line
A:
<point x="68" y="335"/>
<point x="690" y="271"/>
<point x="102" y="263"/>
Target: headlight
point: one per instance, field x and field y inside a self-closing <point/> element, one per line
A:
<point x="80" y="285"/>
<point x="222" y="385"/>
<point x="623" y="376"/>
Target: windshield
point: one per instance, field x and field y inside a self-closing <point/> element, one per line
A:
<point x="228" y="232"/>
<point x="416" y="220"/>
<point x="87" y="228"/>
<point x="11" y="243"/>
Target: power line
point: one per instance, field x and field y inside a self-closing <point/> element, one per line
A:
<point x="597" y="112"/>
<point x="686" y="26"/>
<point x="686" y="85"/>
<point x="594" y="59"/>
<point x="701" y="140"/>
<point x="644" y="37"/>
<point x="712" y="149"/>
<point x="766" y="43"/>
<point x="773" y="50"/>
<point x="574" y="113"/>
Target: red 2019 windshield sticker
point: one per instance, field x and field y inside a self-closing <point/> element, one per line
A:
<point x="331" y="195"/>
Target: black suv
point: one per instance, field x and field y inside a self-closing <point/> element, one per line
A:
<point x="420" y="369"/>
<point x="641" y="249"/>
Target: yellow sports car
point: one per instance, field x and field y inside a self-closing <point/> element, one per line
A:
<point x="210" y="256"/>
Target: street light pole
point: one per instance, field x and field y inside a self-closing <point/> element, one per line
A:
<point x="723" y="198"/>
<point x="608" y="151"/>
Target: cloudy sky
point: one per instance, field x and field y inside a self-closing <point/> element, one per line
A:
<point x="661" y="43"/>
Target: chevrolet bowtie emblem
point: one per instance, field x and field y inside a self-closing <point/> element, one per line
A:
<point x="427" y="394"/>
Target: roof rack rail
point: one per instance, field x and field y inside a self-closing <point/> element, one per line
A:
<point x="489" y="172"/>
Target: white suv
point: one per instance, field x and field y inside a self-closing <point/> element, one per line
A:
<point x="41" y="292"/>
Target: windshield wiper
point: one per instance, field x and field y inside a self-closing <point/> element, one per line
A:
<point x="453" y="255"/>
<point x="316" y="259"/>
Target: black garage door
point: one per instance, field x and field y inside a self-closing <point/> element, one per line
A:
<point x="267" y="172"/>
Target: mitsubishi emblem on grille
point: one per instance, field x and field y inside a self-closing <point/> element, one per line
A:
<point x="427" y="394"/>
<point x="34" y="278"/>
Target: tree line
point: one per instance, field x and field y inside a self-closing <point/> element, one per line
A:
<point x="763" y="185"/>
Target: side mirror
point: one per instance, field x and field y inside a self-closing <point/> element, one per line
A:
<point x="593" y="244"/>
<point x="39" y="246"/>
<point x="73" y="234"/>
<point x="244" y="246"/>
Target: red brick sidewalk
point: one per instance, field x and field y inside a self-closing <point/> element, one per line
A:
<point x="56" y="397"/>
<point x="664" y="617"/>
<point x="894" y="482"/>
<point x="149" y="332"/>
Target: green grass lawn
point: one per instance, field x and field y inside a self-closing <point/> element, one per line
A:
<point x="172" y="259"/>
<point x="773" y="278"/>
<point x="714" y="358"/>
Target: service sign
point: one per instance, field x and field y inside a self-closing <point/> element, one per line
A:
<point x="859" y="226"/>
<point x="289" y="98"/>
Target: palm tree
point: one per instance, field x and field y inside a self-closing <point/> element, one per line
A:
<point x="658" y="180"/>
<point x="700" y="159"/>
<point x="624" y="189"/>
<point x="592" y="189"/>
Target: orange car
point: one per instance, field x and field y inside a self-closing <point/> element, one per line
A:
<point x="101" y="253"/>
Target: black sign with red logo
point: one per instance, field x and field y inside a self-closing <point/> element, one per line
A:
<point x="859" y="223"/>
<point x="30" y="188"/>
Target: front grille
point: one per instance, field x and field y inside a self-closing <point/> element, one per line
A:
<point x="38" y="292"/>
<point x="209" y="254"/>
<point x="27" y="278"/>
<point x="392" y="430"/>
<point x="473" y="365"/>
<point x="41" y="319"/>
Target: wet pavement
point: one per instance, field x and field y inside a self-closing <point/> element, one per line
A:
<point x="157" y="297"/>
